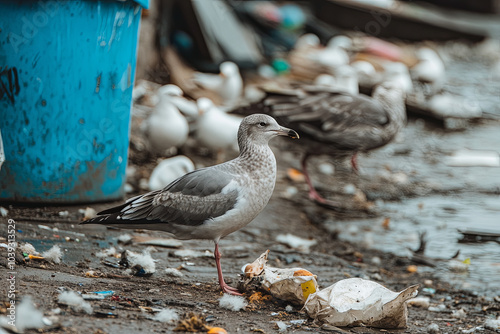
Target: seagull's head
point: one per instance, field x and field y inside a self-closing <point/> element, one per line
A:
<point x="260" y="128"/>
<point x="228" y="69"/>
<point x="204" y="105"/>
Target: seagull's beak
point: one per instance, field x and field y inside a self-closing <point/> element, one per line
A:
<point x="287" y="132"/>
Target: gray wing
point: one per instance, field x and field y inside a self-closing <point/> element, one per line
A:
<point x="189" y="200"/>
<point x="349" y="122"/>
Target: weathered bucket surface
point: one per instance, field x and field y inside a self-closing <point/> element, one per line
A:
<point x="66" y="78"/>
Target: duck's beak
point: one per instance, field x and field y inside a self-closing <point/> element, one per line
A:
<point x="287" y="132"/>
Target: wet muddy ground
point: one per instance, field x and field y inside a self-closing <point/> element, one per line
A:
<point x="403" y="189"/>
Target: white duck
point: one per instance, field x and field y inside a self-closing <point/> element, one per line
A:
<point x="169" y="170"/>
<point x="166" y="127"/>
<point x="217" y="130"/>
<point x="228" y="83"/>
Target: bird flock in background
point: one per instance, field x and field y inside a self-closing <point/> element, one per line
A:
<point x="320" y="98"/>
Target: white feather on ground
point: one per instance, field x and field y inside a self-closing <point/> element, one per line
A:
<point x="166" y="315"/>
<point x="144" y="260"/>
<point x="28" y="249"/>
<point x="233" y="303"/>
<point x="111" y="251"/>
<point x="173" y="272"/>
<point x="75" y="301"/>
<point x="28" y="316"/>
<point x="54" y="254"/>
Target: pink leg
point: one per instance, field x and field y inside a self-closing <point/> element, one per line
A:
<point x="313" y="194"/>
<point x="354" y="162"/>
<point x="225" y="288"/>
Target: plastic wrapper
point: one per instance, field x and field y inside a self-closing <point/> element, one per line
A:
<point x="291" y="284"/>
<point x="355" y="302"/>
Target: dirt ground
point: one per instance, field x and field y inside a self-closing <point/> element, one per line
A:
<point x="197" y="291"/>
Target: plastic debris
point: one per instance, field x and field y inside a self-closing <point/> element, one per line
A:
<point x="75" y="301"/>
<point x="233" y="303"/>
<point x="298" y="243"/>
<point x="473" y="158"/>
<point x="124" y="238"/>
<point x="459" y="266"/>
<point x="355" y="301"/>
<point x="433" y="328"/>
<point x="439" y="308"/>
<point x="54" y="254"/>
<point x="169" y="170"/>
<point x="217" y="330"/>
<point x="189" y="253"/>
<point x="3" y="211"/>
<point x="173" y="272"/>
<point x="295" y="175"/>
<point x="282" y="326"/>
<point x="256" y="267"/>
<point x="423" y="302"/>
<point x="166" y="315"/>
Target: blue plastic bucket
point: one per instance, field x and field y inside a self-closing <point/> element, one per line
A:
<point x="66" y="77"/>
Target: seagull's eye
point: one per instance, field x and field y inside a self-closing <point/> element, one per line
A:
<point x="262" y="124"/>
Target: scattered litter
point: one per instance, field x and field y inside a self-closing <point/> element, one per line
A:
<point x="298" y="321"/>
<point x="89" y="213"/>
<point x="142" y="261"/>
<point x="63" y="213"/>
<point x="459" y="266"/>
<point x="124" y="238"/>
<point x="75" y="301"/>
<point x="28" y="249"/>
<point x="100" y="314"/>
<point x="423" y="302"/>
<point x="433" y="329"/>
<point x="256" y="267"/>
<point x="298" y="243"/>
<point x="111" y="251"/>
<point x="106" y="293"/>
<point x="54" y="254"/>
<point x="428" y="291"/>
<point x="233" y="303"/>
<point x="166" y="315"/>
<point x="281" y="326"/>
<point x="493" y="324"/>
<point x="93" y="274"/>
<point x="289" y="308"/>
<point x="173" y="272"/>
<point x="355" y="301"/>
<point x="295" y="175"/>
<point x="158" y="241"/>
<point x="217" y="330"/>
<point x="439" y="308"/>
<point x="92" y="296"/>
<point x="412" y="268"/>
<point x="3" y="211"/>
<point x="28" y="316"/>
<point x="473" y="158"/>
<point x="459" y="313"/>
<point x="189" y="253"/>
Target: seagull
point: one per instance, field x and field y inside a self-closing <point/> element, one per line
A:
<point x="211" y="202"/>
<point x="344" y="123"/>
<point x="228" y="83"/>
<point x="216" y="129"/>
<point x="166" y="127"/>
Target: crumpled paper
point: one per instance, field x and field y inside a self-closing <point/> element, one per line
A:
<point x="355" y="301"/>
<point x="290" y="284"/>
